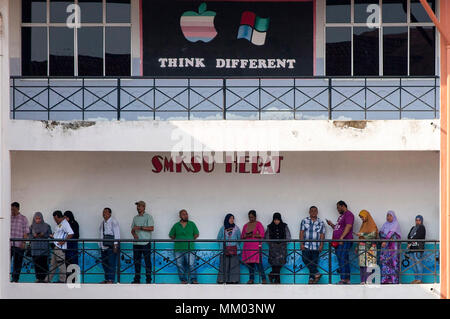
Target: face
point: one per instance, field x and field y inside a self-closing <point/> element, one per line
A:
<point x="106" y="214"/>
<point x="184" y="216"/>
<point x="37" y="219"/>
<point x="341" y="209"/>
<point x="57" y="219"/>
<point x="251" y="218"/>
<point x="364" y="219"/>
<point x="389" y="218"/>
<point x="231" y="220"/>
<point x="66" y="218"/>
<point x="14" y="210"/>
<point x="313" y="212"/>
<point x="418" y="222"/>
<point x="140" y="208"/>
<point x="276" y="221"/>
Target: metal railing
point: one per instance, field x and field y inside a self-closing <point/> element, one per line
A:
<point x="209" y="254"/>
<point x="209" y="98"/>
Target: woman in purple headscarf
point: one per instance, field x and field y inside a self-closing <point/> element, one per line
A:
<point x="390" y="255"/>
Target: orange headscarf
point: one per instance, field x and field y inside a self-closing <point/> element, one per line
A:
<point x="369" y="225"/>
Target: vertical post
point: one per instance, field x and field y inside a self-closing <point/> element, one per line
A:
<point x="224" y="97"/>
<point x="330" y="101"/>
<point x="48" y="99"/>
<point x="118" y="262"/>
<point x="82" y="272"/>
<point x="189" y="99"/>
<point x="330" y="271"/>
<point x="295" y="271"/>
<point x="365" y="98"/>
<point x="14" y="98"/>
<point x="82" y="99"/>
<point x="259" y="97"/>
<point x="400" y="98"/>
<point x="118" y="99"/>
<point x="153" y="252"/>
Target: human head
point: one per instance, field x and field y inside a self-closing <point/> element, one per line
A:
<point x="341" y="207"/>
<point x="15" y="208"/>
<point x="419" y="220"/>
<point x="313" y="212"/>
<point x="107" y="213"/>
<point x="58" y="216"/>
<point x="38" y="218"/>
<point x="277" y="218"/>
<point x="364" y="215"/>
<point x="390" y="216"/>
<point x="69" y="216"/>
<point x="184" y="216"/>
<point x="228" y="221"/>
<point x="252" y="215"/>
<point x="140" y="206"/>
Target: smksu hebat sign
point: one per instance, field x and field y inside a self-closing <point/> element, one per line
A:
<point x="227" y="38"/>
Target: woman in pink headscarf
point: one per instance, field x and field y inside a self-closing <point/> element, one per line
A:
<point x="390" y="255"/>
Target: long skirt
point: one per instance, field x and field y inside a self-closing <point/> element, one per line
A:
<point x="229" y="269"/>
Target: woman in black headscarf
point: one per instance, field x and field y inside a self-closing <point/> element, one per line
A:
<point x="416" y="249"/>
<point x="229" y="269"/>
<point x="72" y="246"/>
<point x="277" y="250"/>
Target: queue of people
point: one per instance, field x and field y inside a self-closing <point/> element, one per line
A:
<point x="312" y="233"/>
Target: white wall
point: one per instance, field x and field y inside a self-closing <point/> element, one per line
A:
<point x="86" y="182"/>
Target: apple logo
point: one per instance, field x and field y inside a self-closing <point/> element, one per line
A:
<point x="198" y="26"/>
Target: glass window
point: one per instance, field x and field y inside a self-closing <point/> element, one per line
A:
<point x="361" y="11"/>
<point x="58" y="10"/>
<point x="395" y="50"/>
<point x="61" y="51"/>
<point x="418" y="13"/>
<point x="34" y="51"/>
<point x="90" y="51"/>
<point x="117" y="53"/>
<point x="395" y="11"/>
<point x="91" y="11"/>
<point x="34" y="11"/>
<point x="338" y="51"/>
<point x="422" y="50"/>
<point x="366" y="51"/>
<point x="338" y="11"/>
<point x="118" y="11"/>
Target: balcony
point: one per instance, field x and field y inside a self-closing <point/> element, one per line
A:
<point x="231" y="98"/>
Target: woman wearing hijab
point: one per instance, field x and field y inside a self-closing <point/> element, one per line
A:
<point x="416" y="249"/>
<point x="72" y="246"/>
<point x="40" y="249"/>
<point x="251" y="251"/>
<point x="367" y="251"/>
<point x="229" y="269"/>
<point x="389" y="255"/>
<point x="277" y="250"/>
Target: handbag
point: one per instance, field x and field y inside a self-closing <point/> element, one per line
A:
<point x="110" y="242"/>
<point x="230" y="250"/>
<point x="334" y="244"/>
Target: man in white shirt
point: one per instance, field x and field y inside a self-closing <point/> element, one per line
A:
<point x="63" y="231"/>
<point x="109" y="230"/>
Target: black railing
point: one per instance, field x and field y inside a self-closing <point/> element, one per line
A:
<point x="208" y="258"/>
<point x="203" y="98"/>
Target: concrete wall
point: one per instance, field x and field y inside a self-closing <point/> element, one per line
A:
<point x="86" y="182"/>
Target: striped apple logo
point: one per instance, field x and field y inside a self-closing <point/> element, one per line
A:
<point x="198" y="26"/>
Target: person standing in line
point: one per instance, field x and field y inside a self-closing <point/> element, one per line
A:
<point x="109" y="229"/>
<point x="58" y="259"/>
<point x="343" y="230"/>
<point x="72" y="246"/>
<point x="40" y="250"/>
<point x="251" y="255"/>
<point x="390" y="254"/>
<point x="229" y="268"/>
<point x="367" y="251"/>
<point x="312" y="228"/>
<point x="142" y="228"/>
<point x="19" y="229"/>
<point x="416" y="249"/>
<point x="185" y="258"/>
<point x="277" y="250"/>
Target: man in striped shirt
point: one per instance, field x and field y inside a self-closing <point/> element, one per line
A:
<point x="312" y="228"/>
<point x="19" y="229"/>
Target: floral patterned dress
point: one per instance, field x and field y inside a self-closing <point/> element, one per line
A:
<point x="390" y="259"/>
<point x="367" y="251"/>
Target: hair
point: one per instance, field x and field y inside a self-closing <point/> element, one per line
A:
<point x="312" y="207"/>
<point x="342" y="203"/>
<point x="69" y="214"/>
<point x="108" y="209"/>
<point x="252" y="212"/>
<point x="183" y="210"/>
<point x="15" y="204"/>
<point x="57" y="213"/>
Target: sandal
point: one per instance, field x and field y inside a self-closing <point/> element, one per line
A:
<point x="250" y="282"/>
<point x="317" y="278"/>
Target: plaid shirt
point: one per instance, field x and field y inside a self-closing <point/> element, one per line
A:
<point x="19" y="228"/>
<point x="312" y="230"/>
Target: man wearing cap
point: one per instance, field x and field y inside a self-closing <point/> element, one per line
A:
<point x="142" y="228"/>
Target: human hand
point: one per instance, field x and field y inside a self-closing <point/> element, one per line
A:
<point x="383" y="245"/>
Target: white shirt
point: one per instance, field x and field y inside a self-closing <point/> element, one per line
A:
<point x="62" y="231"/>
<point x="111" y="228"/>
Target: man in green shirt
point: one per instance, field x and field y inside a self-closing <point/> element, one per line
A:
<point x="185" y="259"/>
<point x="142" y="228"/>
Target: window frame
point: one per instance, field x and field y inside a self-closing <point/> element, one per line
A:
<point x="104" y="24"/>
<point x="408" y="24"/>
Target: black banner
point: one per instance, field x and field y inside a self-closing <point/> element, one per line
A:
<point x="227" y="38"/>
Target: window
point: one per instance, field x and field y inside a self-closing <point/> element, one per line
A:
<point x="402" y="41"/>
<point x="51" y="48"/>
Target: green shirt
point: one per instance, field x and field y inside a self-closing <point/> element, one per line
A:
<point x="188" y="232"/>
<point x="145" y="220"/>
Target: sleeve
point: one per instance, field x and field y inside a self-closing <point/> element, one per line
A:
<point x="288" y="233"/>
<point x="261" y="230"/>
<point x="266" y="235"/>
<point x="323" y="229"/>
<point x="172" y="232"/>
<point x="220" y="234"/>
<point x="68" y="229"/>
<point x="409" y="234"/>
<point x="238" y="232"/>
<point x="26" y="228"/>
<point x="49" y="231"/>
<point x="116" y="230"/>
<point x="244" y="230"/>
<point x="100" y="230"/>
<point x="196" y="232"/>
<point x="349" y="219"/>
<point x="133" y="224"/>
<point x="302" y="225"/>
<point x="420" y="233"/>
<point x="150" y="221"/>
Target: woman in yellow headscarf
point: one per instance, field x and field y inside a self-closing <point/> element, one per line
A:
<point x="367" y="251"/>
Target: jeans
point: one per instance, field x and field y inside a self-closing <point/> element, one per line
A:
<point x="138" y="252"/>
<point x="185" y="263"/>
<point x="342" y="253"/>
<point x="251" y="267"/>
<point x="418" y="267"/>
<point x="109" y="263"/>
<point x="17" y="257"/>
<point x="311" y="260"/>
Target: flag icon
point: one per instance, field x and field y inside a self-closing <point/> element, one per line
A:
<point x="253" y="28"/>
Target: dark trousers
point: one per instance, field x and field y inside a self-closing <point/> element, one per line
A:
<point x="40" y="266"/>
<point x="17" y="257"/>
<point x="342" y="253"/>
<point x="140" y="251"/>
<point x="72" y="253"/>
<point x="251" y="267"/>
<point x="109" y="263"/>
<point x="311" y="260"/>
<point x="274" y="275"/>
